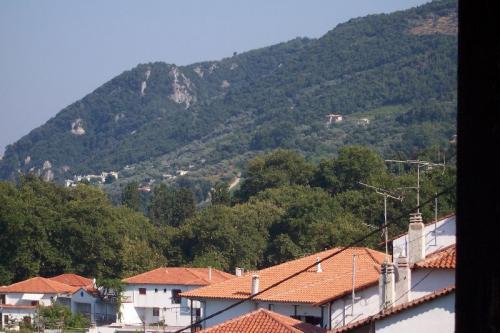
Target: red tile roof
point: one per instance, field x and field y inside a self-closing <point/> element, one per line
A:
<point x="446" y="258"/>
<point x="73" y="280"/>
<point x="179" y="276"/>
<point x="395" y="310"/>
<point x="39" y="285"/>
<point x="310" y="287"/>
<point x="263" y="321"/>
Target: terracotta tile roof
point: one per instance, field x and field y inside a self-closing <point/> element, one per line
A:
<point x="39" y="285"/>
<point x="180" y="276"/>
<point x="73" y="280"/>
<point x="395" y="310"/>
<point x="14" y="306"/>
<point x="446" y="258"/>
<point x="310" y="287"/>
<point x="426" y="224"/>
<point x="264" y="321"/>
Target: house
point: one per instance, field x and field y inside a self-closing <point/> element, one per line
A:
<point x="154" y="297"/>
<point x="20" y="300"/>
<point x="333" y="118"/>
<point x="409" y="280"/>
<point x="264" y="321"/>
<point x="315" y="296"/>
<point x="104" y="310"/>
<point x="433" y="313"/>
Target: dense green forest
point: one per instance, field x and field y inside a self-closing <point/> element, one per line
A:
<point x="392" y="77"/>
<point x="286" y="207"/>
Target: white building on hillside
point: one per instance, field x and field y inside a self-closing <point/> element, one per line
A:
<point x="154" y="297"/>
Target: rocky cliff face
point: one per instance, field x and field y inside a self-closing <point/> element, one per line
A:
<point x="397" y="72"/>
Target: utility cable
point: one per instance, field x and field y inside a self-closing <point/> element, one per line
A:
<point x="341" y="250"/>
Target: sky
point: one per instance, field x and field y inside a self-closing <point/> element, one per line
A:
<point x="54" y="52"/>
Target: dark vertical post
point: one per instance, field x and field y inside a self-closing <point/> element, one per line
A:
<point x="478" y="201"/>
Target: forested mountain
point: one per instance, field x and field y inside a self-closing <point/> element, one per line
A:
<point x="392" y="77"/>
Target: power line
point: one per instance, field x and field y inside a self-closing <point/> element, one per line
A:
<point x="343" y="249"/>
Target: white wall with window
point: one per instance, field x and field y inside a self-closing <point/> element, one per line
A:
<point x="152" y="304"/>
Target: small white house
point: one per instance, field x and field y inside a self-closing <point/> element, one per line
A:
<point x="19" y="301"/>
<point x="333" y="118"/>
<point x="154" y="297"/>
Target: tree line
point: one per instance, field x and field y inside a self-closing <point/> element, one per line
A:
<point x="286" y="207"/>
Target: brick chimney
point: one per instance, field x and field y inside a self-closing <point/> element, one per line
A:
<point x="386" y="285"/>
<point x="255" y="284"/>
<point x="403" y="281"/>
<point x="416" y="239"/>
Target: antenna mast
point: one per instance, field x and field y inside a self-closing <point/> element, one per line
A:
<point x="419" y="164"/>
<point x="386" y="194"/>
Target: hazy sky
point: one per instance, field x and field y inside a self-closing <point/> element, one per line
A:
<point x="54" y="52"/>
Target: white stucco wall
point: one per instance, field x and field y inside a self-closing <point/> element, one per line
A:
<point x="446" y="235"/>
<point x="15" y="314"/>
<point x="426" y="281"/>
<point x="436" y="316"/>
<point x="366" y="304"/>
<point x="210" y="306"/>
<point x="137" y="308"/>
<point x="83" y="297"/>
<point x="27" y="298"/>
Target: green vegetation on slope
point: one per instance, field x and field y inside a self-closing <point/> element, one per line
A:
<point x="397" y="70"/>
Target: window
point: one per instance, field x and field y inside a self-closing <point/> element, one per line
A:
<point x="270" y="307"/>
<point x="142" y="291"/>
<point x="2" y="299"/>
<point x="34" y="303"/>
<point x="156" y="290"/>
<point x="313" y="320"/>
<point x="164" y="290"/>
<point x="176" y="298"/>
<point x="156" y="312"/>
<point x="81" y="293"/>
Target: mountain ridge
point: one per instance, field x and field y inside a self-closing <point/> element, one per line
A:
<point x="396" y="70"/>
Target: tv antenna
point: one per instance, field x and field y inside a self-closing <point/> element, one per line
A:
<point x="420" y="165"/>
<point x="386" y="194"/>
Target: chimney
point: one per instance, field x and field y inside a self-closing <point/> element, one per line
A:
<point x="255" y="284"/>
<point x="209" y="273"/>
<point x="386" y="286"/>
<point x="318" y="265"/>
<point x="403" y="281"/>
<point x="238" y="271"/>
<point x="416" y="239"/>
